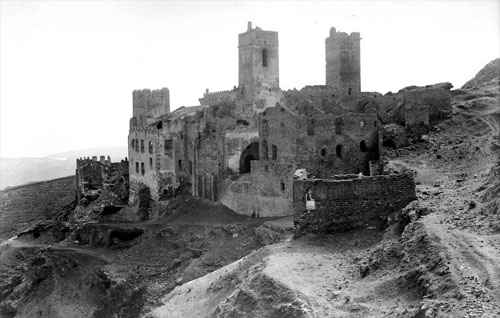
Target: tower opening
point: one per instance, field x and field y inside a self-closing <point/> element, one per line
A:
<point x="264" y="57"/>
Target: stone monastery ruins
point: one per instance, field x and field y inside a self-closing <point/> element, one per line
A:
<point x="263" y="151"/>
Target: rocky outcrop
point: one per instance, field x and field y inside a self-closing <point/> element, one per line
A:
<point x="489" y="73"/>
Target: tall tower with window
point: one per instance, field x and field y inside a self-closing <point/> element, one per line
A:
<point x="343" y="62"/>
<point x="258" y="63"/>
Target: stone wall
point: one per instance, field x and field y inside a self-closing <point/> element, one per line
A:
<point x="349" y="202"/>
<point x="102" y="180"/>
<point x="267" y="190"/>
<point x="436" y="97"/>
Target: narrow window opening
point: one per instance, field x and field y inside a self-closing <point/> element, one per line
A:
<point x="275" y="152"/>
<point x="159" y="125"/>
<point x="150" y="163"/>
<point x="375" y="123"/>
<point x="132" y="143"/>
<point x="167" y="147"/>
<point x="150" y="147"/>
<point x="282" y="186"/>
<point x="265" y="127"/>
<point x="136" y="167"/>
<point x="190" y="167"/>
<point x="265" y="155"/>
<point x="338" y="151"/>
<point x="266" y="168"/>
<point x="142" y="145"/>
<point x="310" y="127"/>
<point x="142" y="168"/>
<point x="137" y="145"/>
<point x="180" y="164"/>
<point x="339" y="123"/>
<point x="264" y="57"/>
<point x="350" y="91"/>
<point x="362" y="146"/>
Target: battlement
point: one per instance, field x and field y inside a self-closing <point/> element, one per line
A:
<point x="257" y="36"/>
<point x="149" y="104"/>
<point x="212" y="98"/>
<point x="143" y="129"/>
<point x="343" y="35"/>
<point x="103" y="160"/>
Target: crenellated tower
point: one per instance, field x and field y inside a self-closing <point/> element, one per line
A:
<point x="343" y="62"/>
<point x="148" y="105"/>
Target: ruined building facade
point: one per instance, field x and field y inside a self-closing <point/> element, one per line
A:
<point x="242" y="147"/>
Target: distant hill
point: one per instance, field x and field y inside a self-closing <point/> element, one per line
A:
<point x="17" y="171"/>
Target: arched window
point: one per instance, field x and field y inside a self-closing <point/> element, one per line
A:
<point x="265" y="155"/>
<point x="150" y="147"/>
<point x="264" y="57"/>
<point x="275" y="152"/>
<point x="265" y="127"/>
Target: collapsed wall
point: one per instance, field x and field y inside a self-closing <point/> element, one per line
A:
<point x="348" y="201"/>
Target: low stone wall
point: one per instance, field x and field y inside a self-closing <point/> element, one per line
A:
<point x="345" y="204"/>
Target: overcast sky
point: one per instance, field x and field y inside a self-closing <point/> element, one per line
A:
<point x="67" y="69"/>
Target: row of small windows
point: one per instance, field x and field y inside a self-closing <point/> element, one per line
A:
<point x="134" y="144"/>
<point x="265" y="151"/>
<point x="143" y="170"/>
<point x="340" y="148"/>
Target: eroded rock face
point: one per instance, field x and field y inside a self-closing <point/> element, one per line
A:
<point x="487" y="74"/>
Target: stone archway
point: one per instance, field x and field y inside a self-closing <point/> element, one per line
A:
<point x="250" y="153"/>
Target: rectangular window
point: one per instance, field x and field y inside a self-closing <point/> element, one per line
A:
<point x="264" y="57"/>
<point x="167" y="147"/>
<point x="180" y="164"/>
<point x="142" y="168"/>
<point x="142" y="145"/>
<point x="150" y="163"/>
<point x="137" y="167"/>
<point x="310" y="127"/>
<point x="274" y="152"/>
<point x="150" y="147"/>
<point x="137" y="145"/>
<point x="190" y="167"/>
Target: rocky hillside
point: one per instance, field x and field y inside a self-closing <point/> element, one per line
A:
<point x="488" y="75"/>
<point x="23" y="206"/>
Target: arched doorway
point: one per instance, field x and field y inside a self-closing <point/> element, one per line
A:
<point x="250" y="153"/>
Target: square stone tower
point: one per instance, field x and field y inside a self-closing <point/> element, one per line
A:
<point x="343" y="62"/>
<point x="149" y="104"/>
<point x="258" y="62"/>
